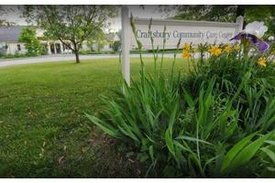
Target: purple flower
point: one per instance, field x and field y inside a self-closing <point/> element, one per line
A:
<point x="261" y="45"/>
<point x="253" y="32"/>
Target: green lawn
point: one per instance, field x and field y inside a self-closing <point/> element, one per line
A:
<point x="43" y="130"/>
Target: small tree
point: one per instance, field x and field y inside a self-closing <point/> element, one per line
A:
<point x="72" y="25"/>
<point x="116" y="46"/>
<point x="32" y="44"/>
<point x="99" y="40"/>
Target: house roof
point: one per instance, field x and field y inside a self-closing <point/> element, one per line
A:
<point x="10" y="33"/>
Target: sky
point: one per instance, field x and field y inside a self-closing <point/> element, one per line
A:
<point x="13" y="15"/>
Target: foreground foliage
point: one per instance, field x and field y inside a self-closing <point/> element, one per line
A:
<point x="216" y="121"/>
<point x="182" y="135"/>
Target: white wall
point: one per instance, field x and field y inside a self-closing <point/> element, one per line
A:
<point x="107" y="48"/>
<point x="13" y="48"/>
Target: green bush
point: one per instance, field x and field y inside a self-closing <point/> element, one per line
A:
<point x="116" y="46"/>
<point x="140" y="115"/>
<point x="16" y="55"/>
<point x="28" y="36"/>
<point x="176" y="135"/>
<point x="218" y="121"/>
<point x="85" y="52"/>
<point x="256" y="95"/>
<point x="44" y="49"/>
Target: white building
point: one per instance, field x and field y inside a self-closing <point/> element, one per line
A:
<point x="9" y="42"/>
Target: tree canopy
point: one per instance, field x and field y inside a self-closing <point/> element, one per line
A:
<point x="70" y="24"/>
<point x="3" y="14"/>
<point x="225" y="13"/>
<point x="207" y="12"/>
<point x="32" y="44"/>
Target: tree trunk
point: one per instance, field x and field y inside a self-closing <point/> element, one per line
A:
<point x="77" y="56"/>
<point x="76" y="53"/>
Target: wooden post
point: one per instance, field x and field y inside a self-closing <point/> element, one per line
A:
<point x="240" y="21"/>
<point x="125" y="43"/>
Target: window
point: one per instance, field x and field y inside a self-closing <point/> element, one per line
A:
<point x="18" y="47"/>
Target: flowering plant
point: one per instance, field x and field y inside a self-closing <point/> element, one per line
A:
<point x="193" y="125"/>
<point x="253" y="33"/>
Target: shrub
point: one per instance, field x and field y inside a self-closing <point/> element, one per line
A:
<point x="28" y="36"/>
<point x="140" y="115"/>
<point x="217" y="121"/>
<point x="176" y="135"/>
<point x="116" y="46"/>
<point x="256" y="95"/>
<point x="44" y="49"/>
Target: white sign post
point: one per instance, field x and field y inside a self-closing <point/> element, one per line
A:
<point x="125" y="43"/>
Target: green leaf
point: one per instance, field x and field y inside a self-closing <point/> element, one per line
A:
<point x="269" y="153"/>
<point x="188" y="99"/>
<point x="168" y="133"/>
<point x="151" y="152"/>
<point x="193" y="139"/>
<point x="106" y="128"/>
<point x="271" y="169"/>
<point x="169" y="142"/>
<point x="234" y="151"/>
<point x="245" y="154"/>
<point x="270" y="142"/>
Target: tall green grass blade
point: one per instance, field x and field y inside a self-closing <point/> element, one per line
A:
<point x="269" y="153"/>
<point x="232" y="153"/>
<point x="271" y="142"/>
<point x="169" y="132"/>
<point x="245" y="154"/>
<point x="169" y="142"/>
<point x="192" y="139"/>
<point x="103" y="126"/>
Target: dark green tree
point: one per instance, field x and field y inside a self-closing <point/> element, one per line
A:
<point x="72" y="25"/>
<point x="225" y="13"/>
<point x="99" y="40"/>
<point x="262" y="13"/>
<point x="222" y="13"/>
<point x="116" y="45"/>
<point x="32" y="44"/>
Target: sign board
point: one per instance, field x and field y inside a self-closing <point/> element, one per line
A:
<point x="194" y="32"/>
<point x="189" y="31"/>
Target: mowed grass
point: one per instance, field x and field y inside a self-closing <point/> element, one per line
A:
<point x="43" y="130"/>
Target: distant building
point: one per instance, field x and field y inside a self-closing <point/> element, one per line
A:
<point x="110" y="39"/>
<point x="9" y="42"/>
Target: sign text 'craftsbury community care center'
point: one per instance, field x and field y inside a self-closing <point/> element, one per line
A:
<point x="194" y="32"/>
<point x="188" y="31"/>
